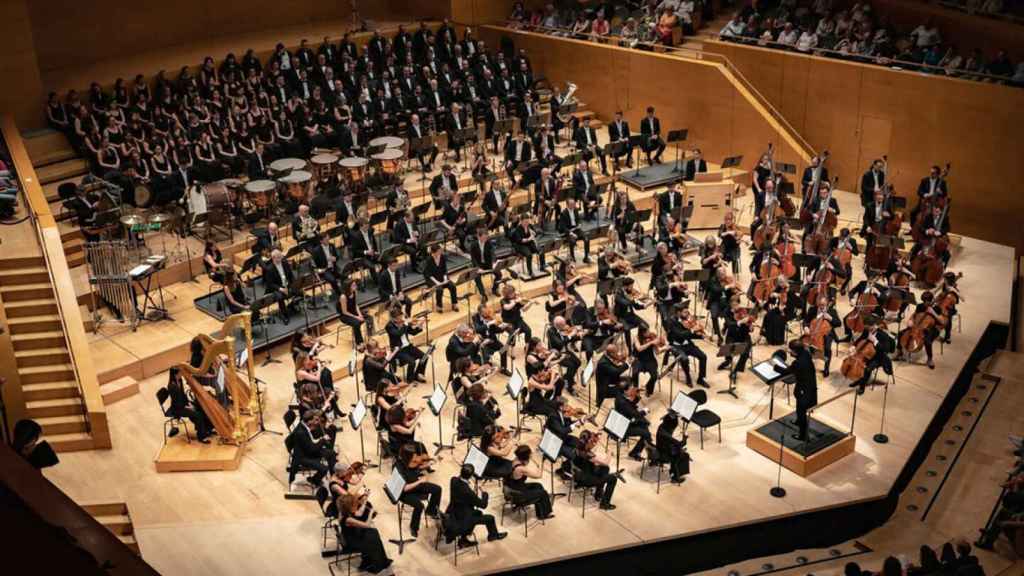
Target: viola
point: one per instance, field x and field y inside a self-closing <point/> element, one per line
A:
<point x="855" y="365"/>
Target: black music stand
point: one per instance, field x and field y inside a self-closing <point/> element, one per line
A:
<point x="466" y="277"/>
<point x="768" y="373"/>
<point x="636" y="141"/>
<point x="732" y="162"/>
<point x="393" y="489"/>
<point x="536" y="121"/>
<point x="731" y="351"/>
<point x="673" y="137"/>
<point x="550" y="449"/>
<point x="785" y="168"/>
<point x="417" y="147"/>
<point x="468" y="134"/>
<point x="259" y="304"/>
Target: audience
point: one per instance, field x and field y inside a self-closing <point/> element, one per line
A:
<point x="954" y="560"/>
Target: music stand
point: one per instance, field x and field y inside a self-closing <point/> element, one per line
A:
<point x="463" y="278"/>
<point x="393" y="489"/>
<point x="476" y="458"/>
<point x="614" y="150"/>
<point x="514" y="389"/>
<point x="355" y="419"/>
<point x="616" y="425"/>
<point x="417" y="146"/>
<point x="636" y="141"/>
<point x="536" y="121"/>
<point x="729" y="351"/>
<point x="785" y="168"/>
<point x="550" y="449"/>
<point x="376" y="219"/>
<point x="732" y="162"/>
<point x="673" y="137"/>
<point x="259" y="304"/>
<point x="436" y="402"/>
<point x="768" y="372"/>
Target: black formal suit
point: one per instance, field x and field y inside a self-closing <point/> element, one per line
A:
<point x="406" y="236"/>
<point x="569" y="227"/>
<point x="437" y="184"/>
<point x="668" y="202"/>
<point x="884" y="344"/>
<point x="693" y="166"/>
<point x="586" y="140"/>
<point x="362" y="246"/>
<point x="435" y="272"/>
<point x="257" y="167"/>
<point x="389" y="285"/>
<point x="583" y="183"/>
<point x="870" y="182"/>
<point x="875" y="219"/>
<point x="482" y="255"/>
<point x="639" y="426"/>
<point x="609" y="376"/>
<point x="418" y="131"/>
<point x="265" y="240"/>
<point x="280" y="287"/>
<point x="308" y="453"/>
<point x="414" y="359"/>
<point x="516" y="152"/>
<point x="682" y="346"/>
<point x="561" y="427"/>
<point x="808" y="177"/>
<point x="464" y="511"/>
<point x="454" y="122"/>
<point x="495" y="204"/>
<point x="806" y="388"/>
<point x="351" y="144"/>
<point x="620" y="131"/>
<point x="650" y="129"/>
<point x="321" y="263"/>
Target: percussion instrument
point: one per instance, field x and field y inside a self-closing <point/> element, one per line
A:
<point x="160" y="218"/>
<point x="387" y="142"/>
<point x="287" y="164"/>
<point x="324" y="166"/>
<point x="390" y="160"/>
<point x="299" y="185"/>
<point x="143" y="196"/>
<point x="233" y="185"/>
<point x="260" y="192"/>
<point x="217" y="197"/>
<point x="131" y="220"/>
<point x="355" y="168"/>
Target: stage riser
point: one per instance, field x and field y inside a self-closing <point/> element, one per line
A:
<point x="795" y="463"/>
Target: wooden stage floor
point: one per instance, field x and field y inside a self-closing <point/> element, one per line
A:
<point x="239" y="522"/>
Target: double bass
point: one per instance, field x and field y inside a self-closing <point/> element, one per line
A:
<point x="926" y="204"/>
<point x="817" y="242"/>
<point x="811" y="194"/>
<point x="927" y="265"/>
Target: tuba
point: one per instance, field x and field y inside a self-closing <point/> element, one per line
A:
<point x="567" y="99"/>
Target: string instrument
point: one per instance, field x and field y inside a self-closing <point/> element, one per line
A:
<point x="912" y="338"/>
<point x="927" y="265"/>
<point x="820" y="282"/>
<point x="811" y="193"/>
<point x="572" y="412"/>
<point x="948" y="299"/>
<point x="356" y="468"/>
<point x="855" y="365"/>
<point x="866" y="302"/>
<point x="638" y="296"/>
<point x="926" y="204"/>
<point x="899" y="284"/>
<point x="817" y="242"/>
<point x="893" y="225"/>
<point x="418" y="461"/>
<point x="766" y="232"/>
<point x="660" y="342"/>
<point x="786" y="249"/>
<point x="770" y="270"/>
<point x="817" y="330"/>
<point x="693" y="325"/>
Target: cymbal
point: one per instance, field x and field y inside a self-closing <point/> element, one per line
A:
<point x="160" y="218"/>
<point x="132" y="220"/>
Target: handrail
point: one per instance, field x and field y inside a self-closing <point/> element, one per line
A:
<point x="52" y="249"/>
<point x="687" y="54"/>
<point x="890" y="63"/>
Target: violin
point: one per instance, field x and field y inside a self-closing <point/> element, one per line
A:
<point x="418" y="461"/>
<point x="693" y="325"/>
<point x="855" y="365"/>
<point x="356" y="468"/>
<point x="605" y="315"/>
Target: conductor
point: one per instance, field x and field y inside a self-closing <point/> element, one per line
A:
<point x="806" y="388"/>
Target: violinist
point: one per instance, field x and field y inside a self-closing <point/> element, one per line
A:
<point x="884" y="345"/>
<point x="717" y="293"/>
<point x="647" y="347"/>
<point x="569" y="228"/>
<point x="561" y="339"/>
<point x="400" y="333"/>
<point x="628" y="301"/>
<point x="610" y="374"/>
<point x="544" y="389"/>
<point x="729" y="236"/>
<point x="824" y="311"/>
<point x="844" y="247"/>
<point x="925" y="314"/>
<point x="682" y="329"/>
<point x="524" y="242"/>
<point x="463" y="344"/>
<point x="413" y="468"/>
<point x="590" y="328"/>
<point x="570" y="276"/>
<point x="309" y="396"/>
<point x="710" y="255"/>
<point x="402" y="424"/>
<point x="738" y="328"/>
<point x="348" y="479"/>
<point x="489" y="330"/>
<point x="481" y="410"/>
<point x="524" y="492"/>
<point x="671" y="450"/>
<point x="354" y="515"/>
<point x="561" y="423"/>
<point x="388" y="389"/>
<point x="309" y="369"/>
<point x="512" y="306"/>
<point x="624" y="214"/>
<point x="628" y="404"/>
<point x="459" y="379"/>
<point x="776" y="315"/>
<point x="559" y="302"/>
<point x="663" y="260"/>
<point x="594" y="471"/>
<point x="309" y="449"/>
<point x="496" y="442"/>
<point x="435" y="271"/>
<point x="671" y="291"/>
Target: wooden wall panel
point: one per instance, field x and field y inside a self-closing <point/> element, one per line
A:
<point x="478" y="12"/>
<point x="965" y="31"/>
<point x="22" y="95"/>
<point x="72" y="33"/>
<point x="933" y="120"/>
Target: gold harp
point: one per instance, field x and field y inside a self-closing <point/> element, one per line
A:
<point x="244" y="390"/>
<point x="228" y="425"/>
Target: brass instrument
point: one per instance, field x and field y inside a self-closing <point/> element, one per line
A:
<point x="567" y="100"/>
<point x="307" y="228"/>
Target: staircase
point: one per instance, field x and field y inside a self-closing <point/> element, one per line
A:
<point x="114" y="516"/>
<point x="56" y="163"/>
<point x="44" y="365"/>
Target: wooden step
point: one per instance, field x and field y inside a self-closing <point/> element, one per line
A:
<point x="28" y="324"/>
<point x="75" y="260"/>
<point x="33" y="307"/>
<point x="25" y="275"/>
<point x="72" y="442"/>
<point x="47" y="147"/>
<point x="45" y="374"/>
<point x="49" y="391"/>
<point x="106" y="509"/>
<point x="120" y="524"/>
<point x="54" y="425"/>
<point x="29" y="291"/>
<point x="50" y="190"/>
<point x="22" y="262"/>
<point x="129" y="541"/>
<point x="42" y="357"/>
<point x="116" y="390"/>
<point x="62" y="170"/>
<point x="37" y="340"/>
<point x="55" y="407"/>
<point x="70" y="234"/>
<point x="74" y="244"/>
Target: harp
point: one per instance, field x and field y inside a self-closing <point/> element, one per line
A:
<point x="227" y="423"/>
<point x="239" y="327"/>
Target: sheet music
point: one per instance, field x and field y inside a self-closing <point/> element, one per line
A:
<point x="766" y="371"/>
<point x="616" y="424"/>
<point x="515" y="383"/>
<point x="477" y="459"/>
<point x="242" y="358"/>
<point x="550" y="445"/>
<point x="588" y="372"/>
<point x="436" y="401"/>
<point x="684" y="406"/>
<point x="355" y="417"/>
<point x="394" y="486"/>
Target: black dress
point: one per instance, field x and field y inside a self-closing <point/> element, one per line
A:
<point x="367" y="541"/>
<point x="774" y="327"/>
<point x="526" y="493"/>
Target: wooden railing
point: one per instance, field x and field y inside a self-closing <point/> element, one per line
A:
<point x="64" y="290"/>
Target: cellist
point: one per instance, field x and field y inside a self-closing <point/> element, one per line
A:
<point x="949" y="286"/>
<point x="935" y="225"/>
<point x="842" y="244"/>
<point x="925" y="307"/>
<point x="877" y="213"/>
<point x="884" y="345"/>
<point x="867" y="286"/>
<point x="824" y="310"/>
<point x="824" y="202"/>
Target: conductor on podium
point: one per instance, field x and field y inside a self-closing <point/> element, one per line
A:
<point x="806" y="388"/>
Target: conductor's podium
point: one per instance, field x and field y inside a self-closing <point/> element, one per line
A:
<point x="825" y="444"/>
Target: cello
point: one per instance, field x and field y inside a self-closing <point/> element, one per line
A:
<point x="899" y="287"/>
<point x="786" y="249"/>
<point x="912" y="338"/>
<point x="770" y="270"/>
<point x="856" y="364"/>
<point x="866" y="302"/>
<point x="817" y="242"/>
<point x="820" y="283"/>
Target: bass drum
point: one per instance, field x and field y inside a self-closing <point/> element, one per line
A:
<point x="143" y="196"/>
<point x="218" y="197"/>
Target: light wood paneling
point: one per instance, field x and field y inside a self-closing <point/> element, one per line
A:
<point x="22" y="95"/>
<point x="932" y="120"/>
<point x="700" y="96"/>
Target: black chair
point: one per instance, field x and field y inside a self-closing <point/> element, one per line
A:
<point x="704" y="418"/>
<point x="516" y="506"/>
<point x="342" y="552"/>
<point x="444" y="529"/>
<point x="294" y="468"/>
<point x="584" y="490"/>
<point x="653" y="459"/>
<point x="330" y="512"/>
<point x="171" y="421"/>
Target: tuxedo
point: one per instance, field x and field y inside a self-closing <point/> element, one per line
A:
<point x="619" y="130"/>
<point x="806" y="388"/>
<point x="417" y="131"/>
<point x="569" y="221"/>
<point x="869" y="182"/>
<point x="693" y="166"/>
<point x="586" y="140"/>
<point x="321" y="255"/>
<point x="650" y="129"/>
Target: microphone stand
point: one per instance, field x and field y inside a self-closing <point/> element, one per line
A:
<point x="259" y="402"/>
<point x="778" y="491"/>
